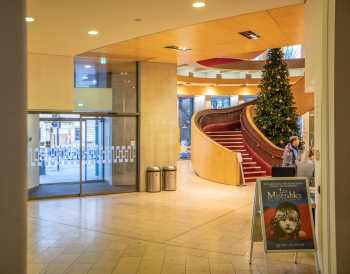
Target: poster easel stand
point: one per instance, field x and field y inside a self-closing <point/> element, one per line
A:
<point x="257" y="230"/>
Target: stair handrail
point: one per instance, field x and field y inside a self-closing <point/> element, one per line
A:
<point x="211" y="116"/>
<point x="266" y="150"/>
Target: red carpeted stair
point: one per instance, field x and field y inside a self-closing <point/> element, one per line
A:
<point x="233" y="140"/>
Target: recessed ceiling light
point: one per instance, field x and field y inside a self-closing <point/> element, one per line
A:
<point x="30" y="19"/>
<point x="178" y="48"/>
<point x="87" y="66"/>
<point x="250" y="34"/>
<point x="198" y="4"/>
<point x="93" y="32"/>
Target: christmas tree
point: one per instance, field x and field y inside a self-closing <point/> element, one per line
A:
<point x="276" y="114"/>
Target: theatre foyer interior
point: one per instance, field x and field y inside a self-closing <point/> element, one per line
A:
<point x="138" y="137"/>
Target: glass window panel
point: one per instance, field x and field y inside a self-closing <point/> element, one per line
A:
<point x="102" y="78"/>
<point x="218" y="102"/>
<point x="185" y="116"/>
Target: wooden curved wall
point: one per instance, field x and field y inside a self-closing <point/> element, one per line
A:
<point x="212" y="161"/>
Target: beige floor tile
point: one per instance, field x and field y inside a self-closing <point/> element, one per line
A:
<point x="89" y="257"/>
<point x="35" y="268"/>
<point x="169" y="268"/>
<point x="150" y="266"/>
<point x="77" y="268"/>
<point x="134" y="252"/>
<point x="224" y="268"/>
<point x="60" y="264"/>
<point x="127" y="265"/>
<point x="203" y="227"/>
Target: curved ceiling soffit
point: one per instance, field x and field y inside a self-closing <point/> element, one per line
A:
<point x="188" y="80"/>
<point x="240" y="64"/>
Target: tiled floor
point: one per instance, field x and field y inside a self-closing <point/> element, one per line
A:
<point x="201" y="228"/>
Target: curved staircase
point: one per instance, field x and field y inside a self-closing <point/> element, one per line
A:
<point x="233" y="129"/>
<point x="233" y="140"/>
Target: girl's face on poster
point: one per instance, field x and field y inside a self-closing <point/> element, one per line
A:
<point x="288" y="220"/>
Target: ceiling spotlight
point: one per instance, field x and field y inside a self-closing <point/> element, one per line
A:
<point x="198" y="4"/>
<point x="87" y="66"/>
<point x="30" y="19"/>
<point x="93" y="32"/>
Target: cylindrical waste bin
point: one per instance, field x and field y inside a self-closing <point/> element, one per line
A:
<point x="169" y="178"/>
<point x="153" y="179"/>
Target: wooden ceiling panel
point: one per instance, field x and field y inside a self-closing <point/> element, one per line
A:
<point x="219" y="38"/>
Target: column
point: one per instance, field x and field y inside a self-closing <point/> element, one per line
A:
<point x="13" y="138"/>
<point x="160" y="139"/>
<point x="341" y="133"/>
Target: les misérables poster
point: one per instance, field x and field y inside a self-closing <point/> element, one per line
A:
<point x="288" y="224"/>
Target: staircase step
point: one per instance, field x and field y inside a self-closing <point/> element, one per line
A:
<point x="226" y="136"/>
<point x="249" y="163"/>
<point x="233" y="136"/>
<point x="237" y="149"/>
<point x="228" y="139"/>
<point x="232" y="143"/>
<point x="223" y="132"/>
<point x="254" y="173"/>
<point x="251" y="179"/>
<point x="250" y="168"/>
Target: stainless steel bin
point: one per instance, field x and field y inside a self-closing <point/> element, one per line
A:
<point x="153" y="179"/>
<point x="169" y="178"/>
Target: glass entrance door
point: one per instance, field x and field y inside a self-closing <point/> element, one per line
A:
<point x="92" y="144"/>
<point x="59" y="151"/>
<point x="72" y="155"/>
<point x="109" y="159"/>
